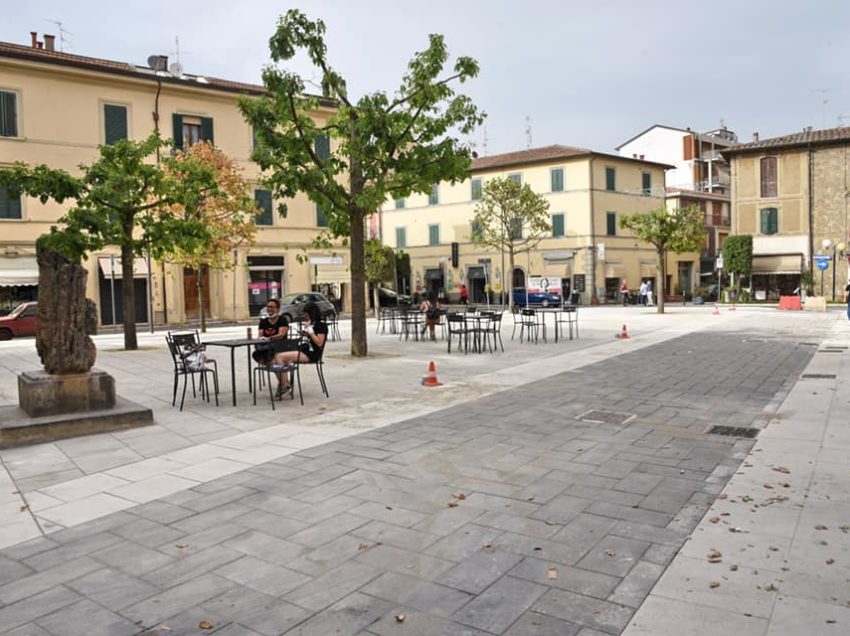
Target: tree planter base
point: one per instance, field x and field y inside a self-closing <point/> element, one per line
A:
<point x="41" y="393"/>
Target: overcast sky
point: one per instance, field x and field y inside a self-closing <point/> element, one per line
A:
<point x="586" y="73"/>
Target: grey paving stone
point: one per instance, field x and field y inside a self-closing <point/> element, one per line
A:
<point x="174" y="600"/>
<point x="463" y="542"/>
<point x="584" y="610"/>
<point x="448" y="520"/>
<point x="640" y="483"/>
<point x="147" y="532"/>
<point x="183" y="570"/>
<point x="161" y="512"/>
<point x="112" y="588"/>
<point x="328" y="530"/>
<point x="209" y="500"/>
<point x="132" y="558"/>
<point x="276" y="525"/>
<point x="418" y="623"/>
<point x="389" y="513"/>
<point x="212" y="518"/>
<point x="318" y="561"/>
<point x="348" y="616"/>
<point x="628" y="513"/>
<point x="30" y="629"/>
<point x="562" y="509"/>
<point x="521" y="525"/>
<point x="396" y="536"/>
<point x="29" y="548"/>
<point x="262" y="576"/>
<point x="404" y="561"/>
<point x="569" y="578"/>
<point x="645" y="532"/>
<point x="64" y="553"/>
<point x="428" y="597"/>
<point x="637" y="584"/>
<point x="614" y="555"/>
<point x="336" y="584"/>
<point x="86" y="618"/>
<point x="255" y="612"/>
<point x="534" y="624"/>
<point x="46" y="579"/>
<point x="265" y="546"/>
<point x="202" y="539"/>
<point x="501" y="604"/>
<point x="661" y="554"/>
<point x="479" y="570"/>
<point x="33" y="607"/>
<point x="11" y="570"/>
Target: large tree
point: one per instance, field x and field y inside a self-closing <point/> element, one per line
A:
<point x="367" y="150"/>
<point x="380" y="266"/>
<point x="228" y="214"/>
<point x="510" y="217"/>
<point x="738" y="258"/>
<point x="677" y="231"/>
<point x="122" y="199"/>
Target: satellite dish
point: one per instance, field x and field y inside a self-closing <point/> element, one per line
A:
<point x="157" y="62"/>
<point x="176" y="69"/>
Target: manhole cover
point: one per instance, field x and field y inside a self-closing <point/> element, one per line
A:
<point x="733" y="431"/>
<point x="606" y="417"/>
<point x="818" y="376"/>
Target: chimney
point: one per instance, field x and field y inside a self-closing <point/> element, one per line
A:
<point x="49" y="42"/>
<point x="640" y="157"/>
<point x="40" y="45"/>
<point x="755" y="136"/>
<point x="34" y="36"/>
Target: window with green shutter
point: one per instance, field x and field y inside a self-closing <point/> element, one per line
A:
<point x="475" y="194"/>
<point x="611" y="223"/>
<point x="399" y="204"/>
<point x="8" y="114"/>
<point x="515" y="177"/>
<point x="10" y="207"/>
<point x="434" y="197"/>
<point x="323" y="147"/>
<point x="556" y="178"/>
<point x="189" y="130"/>
<point x="557" y="225"/>
<point x="400" y="237"/>
<point x="114" y="123"/>
<point x="610" y="179"/>
<point x="475" y="231"/>
<point x="263" y="198"/>
<point x="769" y="220"/>
<point x="434" y="234"/>
<point x="321" y="219"/>
<point x="207" y="129"/>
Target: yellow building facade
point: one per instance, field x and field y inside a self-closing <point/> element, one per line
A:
<point x="57" y="108"/>
<point x="588" y="193"/>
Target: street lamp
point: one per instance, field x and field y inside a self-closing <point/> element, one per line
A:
<point x="837" y="248"/>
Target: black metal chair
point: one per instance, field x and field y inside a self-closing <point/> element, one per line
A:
<point x="495" y="329"/>
<point x="191" y="337"/>
<point x="263" y="372"/>
<point x="331" y="318"/>
<point x="531" y="322"/>
<point x="319" y="364"/>
<point x="459" y="329"/>
<point x="182" y="348"/>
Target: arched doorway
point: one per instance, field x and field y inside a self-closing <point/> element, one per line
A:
<point x="518" y="278"/>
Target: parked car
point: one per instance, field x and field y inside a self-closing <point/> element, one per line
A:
<point x="292" y="305"/>
<point x="542" y="298"/>
<point x="390" y="298"/>
<point x="20" y="321"/>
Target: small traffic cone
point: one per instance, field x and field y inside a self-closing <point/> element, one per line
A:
<point x="732" y="308"/>
<point x="624" y="334"/>
<point x="716" y="311"/>
<point x="431" y="380"/>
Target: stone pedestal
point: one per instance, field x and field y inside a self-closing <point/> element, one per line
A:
<point x="41" y="394"/>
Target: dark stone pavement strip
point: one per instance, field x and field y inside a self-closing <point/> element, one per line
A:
<point x="506" y="515"/>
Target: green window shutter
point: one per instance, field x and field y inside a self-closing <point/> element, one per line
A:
<point x="399" y="204"/>
<point x="769" y="220"/>
<point x="10" y="208"/>
<point x="557" y="179"/>
<point x="321" y="219"/>
<point x="433" y="235"/>
<point x="323" y="147"/>
<point x="263" y="198"/>
<point x="476" y="190"/>
<point x="207" y="129"/>
<point x="611" y="222"/>
<point x="115" y="123"/>
<point x="610" y="179"/>
<point x="400" y="237"/>
<point x="774" y="225"/>
<point x="475" y="230"/>
<point x="8" y="114"/>
<point x="557" y="225"/>
<point x="434" y="197"/>
<point x="177" y="123"/>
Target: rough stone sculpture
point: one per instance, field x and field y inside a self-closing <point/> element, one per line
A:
<point x="66" y="318"/>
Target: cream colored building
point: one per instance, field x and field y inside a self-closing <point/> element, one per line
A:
<point x="588" y="192"/>
<point x="790" y="194"/>
<point x="56" y="108"/>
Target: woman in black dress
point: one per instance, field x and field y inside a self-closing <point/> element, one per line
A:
<point x="314" y="334"/>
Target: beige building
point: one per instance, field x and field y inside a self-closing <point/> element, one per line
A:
<point x="56" y="108"/>
<point x="790" y="193"/>
<point x="588" y="193"/>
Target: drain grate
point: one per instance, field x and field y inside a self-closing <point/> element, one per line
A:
<point x="733" y="431"/>
<point x="606" y="417"/>
<point x="818" y="376"/>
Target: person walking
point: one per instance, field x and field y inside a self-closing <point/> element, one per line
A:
<point x="847" y="298"/>
<point x="642" y="293"/>
<point x="431" y="308"/>
<point x="649" y="302"/>
<point x="624" y="292"/>
<point x="464" y="295"/>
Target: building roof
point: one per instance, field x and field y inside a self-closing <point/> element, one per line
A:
<point x="643" y="132"/>
<point x="59" y="58"/>
<point x="805" y="138"/>
<point x="546" y="154"/>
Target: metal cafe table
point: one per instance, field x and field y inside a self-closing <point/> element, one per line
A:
<point x="233" y="345"/>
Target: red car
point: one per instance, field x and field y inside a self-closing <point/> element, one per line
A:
<point x="20" y="322"/>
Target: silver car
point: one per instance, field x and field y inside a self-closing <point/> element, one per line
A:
<point x="292" y="305"/>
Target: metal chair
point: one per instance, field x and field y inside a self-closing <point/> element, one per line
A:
<point x="531" y="321"/>
<point x="457" y="327"/>
<point x="181" y="349"/>
<point x="319" y="364"/>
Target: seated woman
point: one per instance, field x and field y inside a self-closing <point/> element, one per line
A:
<point x="314" y="334"/>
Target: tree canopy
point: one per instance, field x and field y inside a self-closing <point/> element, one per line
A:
<point x="350" y="155"/>
<point x="123" y="199"/>
<point x="738" y="257"/>
<point x="677" y="231"/>
<point x="510" y="217"/>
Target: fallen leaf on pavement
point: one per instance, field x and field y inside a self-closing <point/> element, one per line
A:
<point x="362" y="546"/>
<point x="772" y="548"/>
<point x="205" y="625"/>
<point x="714" y="519"/>
<point x="399" y="618"/>
<point x="714" y="556"/>
<point x="722" y="496"/>
<point x="714" y="584"/>
<point x="389" y="507"/>
<point x="461" y="496"/>
<point x="784" y="484"/>
<point x="453" y="504"/>
<point x="24" y="508"/>
<point x="782" y="469"/>
<point x="488" y="545"/>
<point x="845" y="528"/>
<point x="734" y="568"/>
<point x="610" y="552"/>
<point x="768" y="486"/>
<point x="552" y="573"/>
<point x="830" y="561"/>
<point x="820" y="526"/>
<point x="182" y="545"/>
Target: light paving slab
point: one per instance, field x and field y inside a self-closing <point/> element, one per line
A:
<point x="85" y="509"/>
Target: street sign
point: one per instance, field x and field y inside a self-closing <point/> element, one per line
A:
<point x="822" y="264"/>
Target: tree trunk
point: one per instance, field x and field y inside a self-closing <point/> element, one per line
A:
<point x="508" y="283"/>
<point x="359" y="347"/>
<point x="201" y="308"/>
<point x="659" y="287"/>
<point x="128" y="292"/>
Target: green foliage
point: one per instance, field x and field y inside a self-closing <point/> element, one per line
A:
<point x="510" y="216"/>
<point x="380" y="262"/>
<point x="381" y="146"/>
<point x="738" y="255"/>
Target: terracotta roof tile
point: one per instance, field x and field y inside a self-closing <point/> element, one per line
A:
<point x="533" y="155"/>
<point x="804" y="138"/>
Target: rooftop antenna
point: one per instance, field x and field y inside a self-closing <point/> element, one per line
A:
<point x="62" y="33"/>
<point x="528" y="132"/>
<point x="824" y="102"/>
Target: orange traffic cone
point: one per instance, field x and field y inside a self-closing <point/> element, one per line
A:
<point x="624" y="334"/>
<point x="716" y="311"/>
<point x="431" y="380"/>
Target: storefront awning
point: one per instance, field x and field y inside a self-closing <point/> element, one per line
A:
<point x="140" y="267"/>
<point x="433" y="274"/>
<point x="778" y="264"/>
<point x="332" y="274"/>
<point x="19" y="270"/>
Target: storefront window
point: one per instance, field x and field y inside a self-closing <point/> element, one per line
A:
<point x="266" y="276"/>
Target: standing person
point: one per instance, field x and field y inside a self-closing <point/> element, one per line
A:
<point x="649" y="302"/>
<point x="314" y="334"/>
<point x="624" y="292"/>
<point x="431" y="308"/>
<point x="847" y="298"/>
<point x="464" y="295"/>
<point x="642" y="293"/>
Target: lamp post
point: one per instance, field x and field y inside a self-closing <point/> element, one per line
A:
<point x="837" y="248"/>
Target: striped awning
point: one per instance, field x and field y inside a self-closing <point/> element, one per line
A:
<point x="778" y="264"/>
<point x="18" y="270"/>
